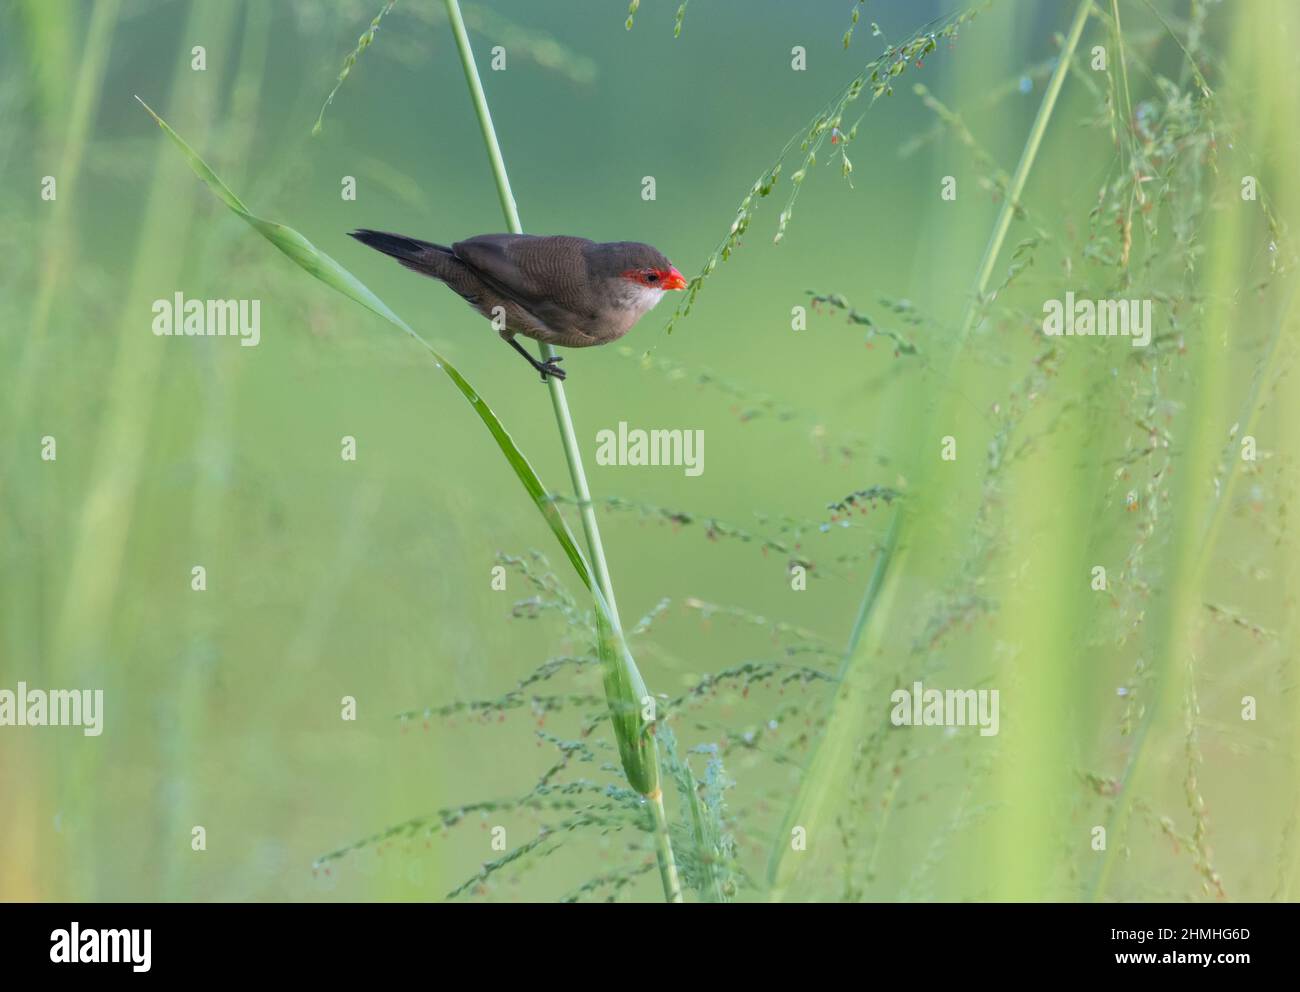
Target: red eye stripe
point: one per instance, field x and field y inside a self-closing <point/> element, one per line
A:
<point x="668" y="278"/>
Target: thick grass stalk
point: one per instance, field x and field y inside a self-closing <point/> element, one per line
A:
<point x="621" y="671"/>
<point x="820" y="787"/>
<point x="1206" y="497"/>
<point x="209" y="524"/>
<point x="1288" y="881"/>
<point x="811" y="808"/>
<point x="90" y="605"/>
<point x="59" y="237"/>
<point x="33" y="872"/>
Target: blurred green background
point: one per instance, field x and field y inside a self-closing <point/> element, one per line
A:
<point x="371" y="579"/>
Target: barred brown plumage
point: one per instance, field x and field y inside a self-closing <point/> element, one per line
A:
<point x="559" y="290"/>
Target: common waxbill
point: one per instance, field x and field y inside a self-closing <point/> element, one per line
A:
<point x="558" y="290"/>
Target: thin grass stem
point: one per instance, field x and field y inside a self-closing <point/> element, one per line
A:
<point x="815" y="793"/>
<point x="1012" y="202"/>
<point x="568" y="437"/>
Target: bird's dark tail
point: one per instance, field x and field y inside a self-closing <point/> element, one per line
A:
<point x="403" y="248"/>
<point x="423" y="256"/>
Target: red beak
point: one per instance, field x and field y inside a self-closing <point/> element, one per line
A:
<point x="674" y="279"/>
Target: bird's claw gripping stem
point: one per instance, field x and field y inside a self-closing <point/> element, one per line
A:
<point x="550" y="367"/>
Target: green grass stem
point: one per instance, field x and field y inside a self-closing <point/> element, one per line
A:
<point x="811" y="806"/>
<point x="573" y="456"/>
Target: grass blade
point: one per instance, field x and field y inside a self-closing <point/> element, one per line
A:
<point x="624" y="687"/>
<point x="813" y="805"/>
<point x="334" y="275"/>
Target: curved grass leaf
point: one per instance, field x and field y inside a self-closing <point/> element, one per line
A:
<point x="624" y="687"/>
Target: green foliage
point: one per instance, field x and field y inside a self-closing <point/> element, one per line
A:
<point x="706" y="849"/>
<point x="319" y="265"/>
<point x="902" y="346"/>
<point x="858" y="780"/>
<point x="878" y="77"/>
<point x="623" y="684"/>
<point x="1120" y="704"/>
<point x="365" y="41"/>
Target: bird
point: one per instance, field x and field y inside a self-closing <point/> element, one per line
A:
<point x="555" y="289"/>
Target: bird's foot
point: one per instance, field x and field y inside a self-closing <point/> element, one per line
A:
<point x="551" y="367"/>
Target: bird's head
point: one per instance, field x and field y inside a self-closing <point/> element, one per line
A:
<point x="641" y="265"/>
<point x="654" y="277"/>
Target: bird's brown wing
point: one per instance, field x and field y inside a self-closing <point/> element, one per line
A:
<point x="547" y="276"/>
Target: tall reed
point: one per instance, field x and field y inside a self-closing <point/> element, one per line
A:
<point x="811" y="808"/>
<point x="640" y="762"/>
<point x="98" y="564"/>
<point x="625" y="689"/>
